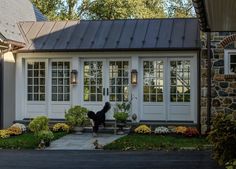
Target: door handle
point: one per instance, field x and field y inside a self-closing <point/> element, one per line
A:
<point x="107" y="91"/>
<point x="103" y="92"/>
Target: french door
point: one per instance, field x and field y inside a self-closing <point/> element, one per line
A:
<point x="105" y="80"/>
<point x="167" y="92"/>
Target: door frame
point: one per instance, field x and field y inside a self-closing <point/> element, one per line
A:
<point x="98" y="105"/>
<point x="166" y="90"/>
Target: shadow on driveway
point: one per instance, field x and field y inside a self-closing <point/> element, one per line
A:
<point x="25" y="159"/>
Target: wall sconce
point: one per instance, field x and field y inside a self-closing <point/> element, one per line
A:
<point x="134" y="77"/>
<point x="73" y="77"/>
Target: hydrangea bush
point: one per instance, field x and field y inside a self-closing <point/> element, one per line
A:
<point x="161" y="130"/>
<point x="22" y="127"/>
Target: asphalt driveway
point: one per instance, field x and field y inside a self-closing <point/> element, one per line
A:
<point x="105" y="160"/>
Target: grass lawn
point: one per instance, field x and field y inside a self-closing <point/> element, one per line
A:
<point x="155" y="142"/>
<point x="24" y="141"/>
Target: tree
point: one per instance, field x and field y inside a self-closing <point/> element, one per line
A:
<point x="121" y="9"/>
<point x="58" y="9"/>
<point x="49" y="8"/>
<point x="179" y="8"/>
<point x="69" y="11"/>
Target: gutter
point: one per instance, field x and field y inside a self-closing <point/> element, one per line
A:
<point x="201" y="15"/>
<point x="1" y="89"/>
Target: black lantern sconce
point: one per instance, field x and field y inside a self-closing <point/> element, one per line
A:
<point x="134" y="77"/>
<point x="73" y="77"/>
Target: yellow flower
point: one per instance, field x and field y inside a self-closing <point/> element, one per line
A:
<point x="61" y="127"/>
<point x="142" y="129"/>
<point x="181" y="130"/>
<point x="4" y="134"/>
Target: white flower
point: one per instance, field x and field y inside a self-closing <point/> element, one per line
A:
<point x="161" y="130"/>
<point x="20" y="126"/>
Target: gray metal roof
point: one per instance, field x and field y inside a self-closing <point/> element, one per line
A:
<point x="13" y="11"/>
<point x="136" y="34"/>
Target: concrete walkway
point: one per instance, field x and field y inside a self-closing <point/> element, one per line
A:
<point x="82" y="142"/>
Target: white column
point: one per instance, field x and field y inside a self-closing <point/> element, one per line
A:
<point x="135" y="89"/>
<point x="19" y="89"/>
<point x="75" y="94"/>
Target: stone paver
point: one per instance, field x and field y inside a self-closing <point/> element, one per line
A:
<point x="82" y="142"/>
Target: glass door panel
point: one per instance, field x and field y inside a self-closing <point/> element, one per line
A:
<point x="93" y="81"/>
<point x="180" y="81"/>
<point x="118" y="81"/>
<point x="153" y="81"/>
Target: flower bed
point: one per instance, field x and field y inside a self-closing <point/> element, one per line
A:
<point x="157" y="142"/>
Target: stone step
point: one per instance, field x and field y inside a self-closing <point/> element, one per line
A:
<point x="107" y="129"/>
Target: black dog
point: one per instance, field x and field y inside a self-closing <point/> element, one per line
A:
<point x="99" y="117"/>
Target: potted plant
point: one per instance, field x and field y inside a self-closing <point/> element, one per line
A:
<point x="76" y="118"/>
<point x="46" y="136"/>
<point x="121" y="114"/>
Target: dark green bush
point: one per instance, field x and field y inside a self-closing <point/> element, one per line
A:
<point x="223" y="137"/>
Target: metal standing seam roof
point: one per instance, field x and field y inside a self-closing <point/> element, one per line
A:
<point x="103" y="35"/>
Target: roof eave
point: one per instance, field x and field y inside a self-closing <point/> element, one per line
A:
<point x="201" y="15"/>
<point x="109" y="50"/>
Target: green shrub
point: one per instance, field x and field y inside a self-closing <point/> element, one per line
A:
<point x="223" y="137"/>
<point x="121" y="116"/>
<point x="76" y="116"/>
<point x="45" y="135"/>
<point x="231" y="164"/>
<point x="121" y="111"/>
<point x="38" y="124"/>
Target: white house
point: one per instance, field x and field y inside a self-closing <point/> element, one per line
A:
<point x="162" y="53"/>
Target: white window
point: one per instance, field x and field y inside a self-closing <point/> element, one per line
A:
<point x="230" y="62"/>
<point x="60" y="80"/>
<point x="36" y="81"/>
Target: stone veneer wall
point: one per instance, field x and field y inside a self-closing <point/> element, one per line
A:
<point x="223" y="86"/>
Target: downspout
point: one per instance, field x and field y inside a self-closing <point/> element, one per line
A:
<point x="199" y="92"/>
<point x="208" y="122"/>
<point x="1" y="89"/>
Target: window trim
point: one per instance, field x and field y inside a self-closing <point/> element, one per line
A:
<point x="227" y="54"/>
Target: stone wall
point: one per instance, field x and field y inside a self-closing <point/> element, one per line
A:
<point x="223" y="86"/>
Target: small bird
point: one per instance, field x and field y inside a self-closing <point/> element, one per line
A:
<point x="97" y="145"/>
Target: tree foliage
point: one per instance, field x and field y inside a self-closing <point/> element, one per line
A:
<point x="113" y="9"/>
<point x="50" y="8"/>
<point x="121" y="9"/>
<point x="179" y="8"/>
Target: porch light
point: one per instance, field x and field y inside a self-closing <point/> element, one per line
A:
<point x="73" y="77"/>
<point x="134" y="77"/>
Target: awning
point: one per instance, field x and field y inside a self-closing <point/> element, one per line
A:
<point x="216" y="15"/>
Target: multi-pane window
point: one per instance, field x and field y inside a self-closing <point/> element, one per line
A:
<point x="153" y="81"/>
<point x="232" y="63"/>
<point x="36" y="81"/>
<point x="60" y="80"/>
<point x="93" y="81"/>
<point x="119" y="81"/>
<point x="180" y="81"/>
